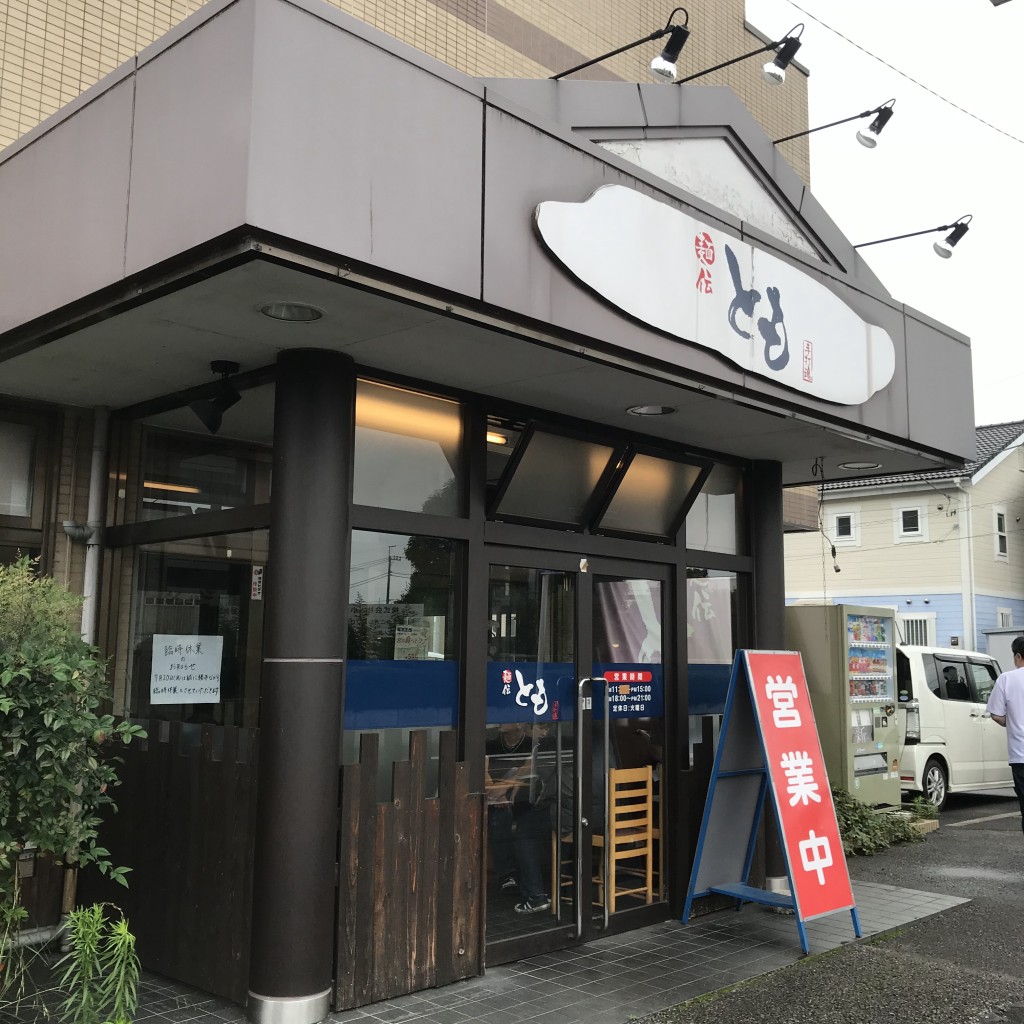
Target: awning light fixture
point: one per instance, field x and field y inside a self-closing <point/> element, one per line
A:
<point x="664" y="66"/>
<point x="210" y="411"/>
<point x="775" y="70"/>
<point x="867" y="137"/>
<point x="292" y="312"/>
<point x="650" y="410"/>
<point x="956" y="230"/>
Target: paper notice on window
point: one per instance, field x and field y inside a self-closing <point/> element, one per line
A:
<point x="411" y="643"/>
<point x="186" y="669"/>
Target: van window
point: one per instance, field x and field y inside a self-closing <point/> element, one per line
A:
<point x="952" y="678"/>
<point x="904" y="682"/>
<point x="983" y="675"/>
<point x="932" y="675"/>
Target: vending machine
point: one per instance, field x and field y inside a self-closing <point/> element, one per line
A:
<point x="849" y="658"/>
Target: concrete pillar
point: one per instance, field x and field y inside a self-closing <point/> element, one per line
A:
<point x="301" y="707"/>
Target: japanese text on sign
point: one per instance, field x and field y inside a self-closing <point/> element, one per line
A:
<point x="799" y="782"/>
<point x="186" y="669"/>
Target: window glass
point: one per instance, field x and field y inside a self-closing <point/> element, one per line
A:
<point x="503" y="435"/>
<point x="402" y="668"/>
<point x="953" y="683"/>
<point x="197" y="630"/>
<point x="844" y="526"/>
<point x="904" y="680"/>
<point x="183" y="474"/>
<point x="407" y="450"/>
<point x="650" y="497"/>
<point x="17" y="443"/>
<point x="555" y="479"/>
<point x="909" y="522"/>
<point x="715" y="520"/>
<point x="531" y="683"/>
<point x="983" y="675"/>
<point x="1001" y="544"/>
<point x="715" y="628"/>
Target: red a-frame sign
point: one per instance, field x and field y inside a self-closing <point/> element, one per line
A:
<point x="769" y="744"/>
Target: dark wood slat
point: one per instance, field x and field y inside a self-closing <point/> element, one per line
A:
<point x="421" y="869"/>
<point x="367" y="859"/>
<point x="346" y="943"/>
<point x="447" y="816"/>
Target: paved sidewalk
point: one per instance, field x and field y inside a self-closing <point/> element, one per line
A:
<point x="609" y="981"/>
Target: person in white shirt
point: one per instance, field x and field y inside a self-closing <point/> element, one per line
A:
<point x="1006" y="706"/>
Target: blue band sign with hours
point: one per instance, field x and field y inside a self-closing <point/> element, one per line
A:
<point x="546" y="691"/>
<point x="702" y="285"/>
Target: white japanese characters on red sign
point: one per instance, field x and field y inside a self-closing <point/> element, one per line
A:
<point x="796" y="769"/>
<point x="628" y="676"/>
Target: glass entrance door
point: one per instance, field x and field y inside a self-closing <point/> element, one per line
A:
<point x="627" y="826"/>
<point x="573" y="797"/>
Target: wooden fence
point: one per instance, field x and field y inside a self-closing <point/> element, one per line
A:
<point x="410" y="892"/>
<point x="185" y="827"/>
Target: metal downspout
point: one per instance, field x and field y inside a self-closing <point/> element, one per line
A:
<point x="93" y="544"/>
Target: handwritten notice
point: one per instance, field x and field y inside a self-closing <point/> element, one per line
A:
<point x="186" y="669"/>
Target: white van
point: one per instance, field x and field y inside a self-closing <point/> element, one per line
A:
<point x="950" y="744"/>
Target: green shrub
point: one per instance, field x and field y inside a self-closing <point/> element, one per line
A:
<point x="865" y="831"/>
<point x="53" y="692"/>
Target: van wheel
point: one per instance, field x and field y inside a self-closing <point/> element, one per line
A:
<point x="936" y="785"/>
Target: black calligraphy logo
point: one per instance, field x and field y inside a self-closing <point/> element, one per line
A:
<point x="769" y="330"/>
<point x="773" y="331"/>
<point x="744" y="300"/>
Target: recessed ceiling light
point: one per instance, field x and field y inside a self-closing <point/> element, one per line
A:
<point x="495" y="438"/>
<point x="291" y="312"/>
<point x="860" y="465"/>
<point x="650" y="410"/>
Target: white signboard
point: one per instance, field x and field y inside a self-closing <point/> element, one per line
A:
<point x="411" y="642"/>
<point x="705" y="286"/>
<point x="186" y="669"/>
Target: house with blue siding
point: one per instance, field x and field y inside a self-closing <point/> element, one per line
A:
<point x="944" y="549"/>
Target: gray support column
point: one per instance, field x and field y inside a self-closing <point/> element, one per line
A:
<point x="300" y="715"/>
<point x="769" y="613"/>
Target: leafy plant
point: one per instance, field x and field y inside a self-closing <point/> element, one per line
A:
<point x="101" y="969"/>
<point x="52" y="730"/>
<point x="922" y="809"/>
<point x="865" y="831"/>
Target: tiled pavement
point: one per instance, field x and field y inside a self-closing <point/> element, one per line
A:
<point x="609" y="981"/>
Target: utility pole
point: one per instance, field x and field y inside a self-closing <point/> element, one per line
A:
<point x="387" y="592"/>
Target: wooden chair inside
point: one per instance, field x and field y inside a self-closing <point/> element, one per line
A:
<point x="631" y="829"/>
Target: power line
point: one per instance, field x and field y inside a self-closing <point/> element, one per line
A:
<point x="903" y="74"/>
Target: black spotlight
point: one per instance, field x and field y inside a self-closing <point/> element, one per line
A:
<point x="211" y="410"/>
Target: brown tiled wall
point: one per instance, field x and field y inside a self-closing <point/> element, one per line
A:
<point x="51" y="51"/>
<point x="800" y="508"/>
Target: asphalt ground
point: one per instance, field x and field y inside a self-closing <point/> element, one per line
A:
<point x="962" y="966"/>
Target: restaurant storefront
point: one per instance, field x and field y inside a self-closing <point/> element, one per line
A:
<point x="421" y="585"/>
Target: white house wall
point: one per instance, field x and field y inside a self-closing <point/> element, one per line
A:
<point x="998" y="582"/>
<point x="872" y="564"/>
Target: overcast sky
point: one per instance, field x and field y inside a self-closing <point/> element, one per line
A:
<point x="933" y="163"/>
